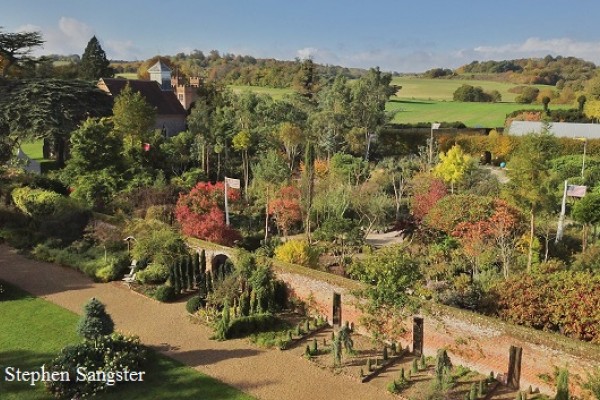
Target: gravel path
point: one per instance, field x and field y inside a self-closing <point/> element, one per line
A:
<point x="265" y="374"/>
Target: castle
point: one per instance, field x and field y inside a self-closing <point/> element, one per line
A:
<point x="172" y="97"/>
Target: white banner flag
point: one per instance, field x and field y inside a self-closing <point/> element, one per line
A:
<point x="436" y="126"/>
<point x="576" y="190"/>
<point x="232" y="183"/>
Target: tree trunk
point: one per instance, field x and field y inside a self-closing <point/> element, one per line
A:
<point x="208" y="162"/>
<point x="267" y="216"/>
<point x="218" y="166"/>
<point x="59" y="148"/>
<point x="531" y="235"/>
<point x="246" y="173"/>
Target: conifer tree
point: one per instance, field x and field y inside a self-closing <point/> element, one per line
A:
<point x="95" y="321"/>
<point x="94" y="64"/>
<point x="562" y="385"/>
<point x="189" y="274"/>
<point x="196" y="268"/>
<point x="209" y="286"/>
<point x="177" y="277"/>
<point x="203" y="261"/>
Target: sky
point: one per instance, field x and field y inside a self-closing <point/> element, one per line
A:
<point x="396" y="35"/>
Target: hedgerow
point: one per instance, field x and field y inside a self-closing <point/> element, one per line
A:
<point x="566" y="302"/>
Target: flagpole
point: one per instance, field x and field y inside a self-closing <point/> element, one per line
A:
<point x="226" y="205"/>
<point x="561" y="218"/>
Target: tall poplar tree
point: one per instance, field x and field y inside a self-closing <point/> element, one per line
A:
<point x="530" y="185"/>
<point x="94" y="64"/>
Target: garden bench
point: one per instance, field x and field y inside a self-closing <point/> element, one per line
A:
<point x="130" y="277"/>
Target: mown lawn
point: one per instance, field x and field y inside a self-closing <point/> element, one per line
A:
<point x="443" y="89"/>
<point x="489" y="115"/>
<point x="32" y="332"/>
<point x="34" y="150"/>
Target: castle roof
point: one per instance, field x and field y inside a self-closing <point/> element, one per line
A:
<point x="159" y="67"/>
<point x="165" y="102"/>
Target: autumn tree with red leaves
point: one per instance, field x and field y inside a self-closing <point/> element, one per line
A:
<point x="427" y="191"/>
<point x="200" y="213"/>
<point x="285" y="208"/>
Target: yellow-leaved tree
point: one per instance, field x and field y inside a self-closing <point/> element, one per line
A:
<point x="453" y="166"/>
<point x="591" y="109"/>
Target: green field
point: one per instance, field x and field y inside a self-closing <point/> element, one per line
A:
<point x="34" y="150"/>
<point x="32" y="332"/>
<point x="443" y="89"/>
<point x="127" y="75"/>
<point x="488" y="115"/>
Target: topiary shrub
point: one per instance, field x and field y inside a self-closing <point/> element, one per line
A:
<point x="194" y="304"/>
<point x="481" y="389"/>
<point x="164" y="294"/>
<point x="154" y="273"/>
<point x="95" y="321"/>
<point x="473" y="392"/>
<point x="244" y="326"/>
<point x="37" y="202"/>
<point x="109" y="354"/>
<point x="297" y="252"/>
<point x="414" y="367"/>
<point x="562" y="385"/>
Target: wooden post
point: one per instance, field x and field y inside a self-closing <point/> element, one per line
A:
<point x="417" y="336"/>
<point x="514" y="367"/>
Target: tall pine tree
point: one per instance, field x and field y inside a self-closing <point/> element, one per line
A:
<point x="94" y="64"/>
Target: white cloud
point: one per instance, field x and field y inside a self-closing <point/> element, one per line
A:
<point x="74" y="31"/>
<point x="121" y="50"/>
<point x="393" y="58"/>
<point x="537" y="47"/>
<point x="69" y="36"/>
<point x="307" y="52"/>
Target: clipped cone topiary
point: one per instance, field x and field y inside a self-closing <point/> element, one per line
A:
<point x="481" y="389"/>
<point x="519" y="396"/>
<point x="473" y="392"/>
<point x="414" y="367"/>
<point x="95" y="321"/>
<point x="562" y="385"/>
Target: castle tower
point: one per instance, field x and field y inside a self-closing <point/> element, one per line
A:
<point x="160" y="73"/>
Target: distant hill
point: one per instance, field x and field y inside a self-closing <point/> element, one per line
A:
<point x="556" y="71"/>
<point x="230" y="69"/>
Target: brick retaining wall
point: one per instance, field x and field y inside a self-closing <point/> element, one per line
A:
<point x="479" y="342"/>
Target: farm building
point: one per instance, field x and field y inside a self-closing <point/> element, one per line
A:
<point x="170" y="113"/>
<point x="558" y="129"/>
